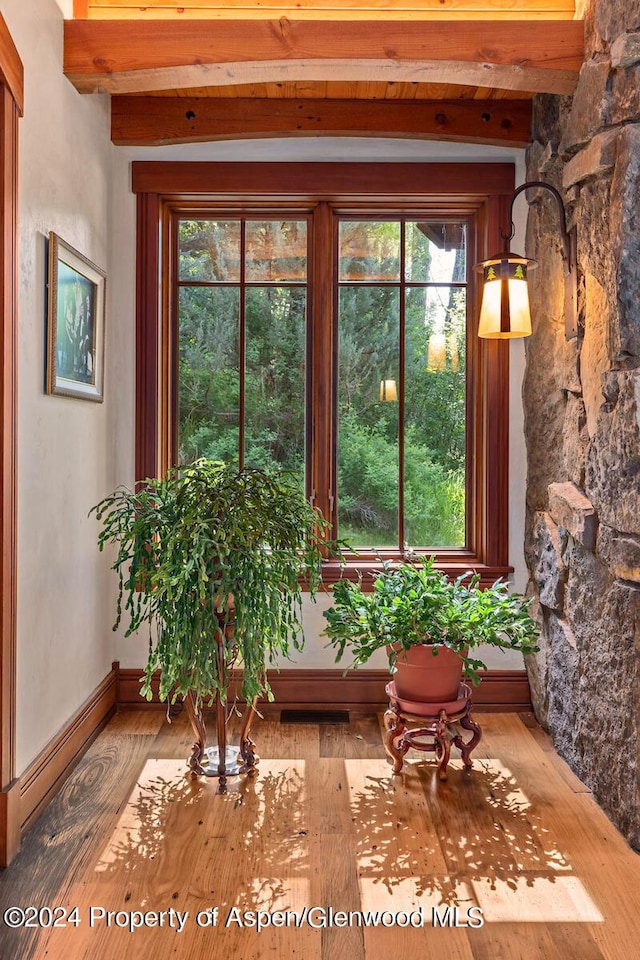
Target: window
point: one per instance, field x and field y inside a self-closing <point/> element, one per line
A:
<point x="333" y="336"/>
<point x="241" y="319"/>
<point x="402" y="320"/>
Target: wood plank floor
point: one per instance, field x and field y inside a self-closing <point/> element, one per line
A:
<point x="324" y="824"/>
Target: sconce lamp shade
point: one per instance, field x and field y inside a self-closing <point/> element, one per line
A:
<point x="505" y="297"/>
<point x="388" y="390"/>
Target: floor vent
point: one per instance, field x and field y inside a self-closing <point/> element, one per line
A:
<point x="314" y="716"/>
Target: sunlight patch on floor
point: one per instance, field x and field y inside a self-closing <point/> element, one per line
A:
<point x="406" y="894"/>
<point x="410" y="839"/>
<point x="141" y="828"/>
<point x="536" y="900"/>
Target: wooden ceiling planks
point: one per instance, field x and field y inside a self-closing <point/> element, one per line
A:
<point x="323" y="90"/>
<point x="326" y="10"/>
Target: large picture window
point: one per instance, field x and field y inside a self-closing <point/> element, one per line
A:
<point x="333" y="337"/>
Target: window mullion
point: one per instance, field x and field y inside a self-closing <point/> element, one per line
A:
<point x="170" y="356"/>
<point x="401" y="363"/>
<point x="322" y="369"/>
<point x="242" y="353"/>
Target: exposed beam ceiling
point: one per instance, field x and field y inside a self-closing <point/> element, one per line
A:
<point x="119" y="57"/>
<point x="151" y="121"/>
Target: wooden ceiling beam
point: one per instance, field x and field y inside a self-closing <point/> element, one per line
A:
<point x="116" y="57"/>
<point x="153" y="121"/>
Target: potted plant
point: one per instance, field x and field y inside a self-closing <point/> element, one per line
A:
<point x="429" y="625"/>
<point x="215" y="560"/>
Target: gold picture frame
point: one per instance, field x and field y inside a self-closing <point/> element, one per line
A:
<point x="75" y="324"/>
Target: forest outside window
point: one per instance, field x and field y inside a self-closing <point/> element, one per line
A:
<point x="402" y="321"/>
<point x="334" y="339"/>
<point x="242" y="305"/>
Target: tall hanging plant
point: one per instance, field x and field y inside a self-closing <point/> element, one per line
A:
<point x="208" y="553"/>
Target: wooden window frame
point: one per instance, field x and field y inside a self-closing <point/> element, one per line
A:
<point x="405" y="213"/>
<point x="479" y="191"/>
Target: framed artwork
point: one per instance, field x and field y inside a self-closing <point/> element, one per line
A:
<point x="75" y="340"/>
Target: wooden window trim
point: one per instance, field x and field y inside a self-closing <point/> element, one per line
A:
<point x="482" y="190"/>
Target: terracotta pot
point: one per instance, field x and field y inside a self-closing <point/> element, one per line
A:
<point x="421" y="676"/>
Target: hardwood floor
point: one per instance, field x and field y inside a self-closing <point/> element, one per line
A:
<point x="324" y="824"/>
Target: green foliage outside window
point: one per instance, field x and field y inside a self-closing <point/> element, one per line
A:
<point x="275" y="383"/>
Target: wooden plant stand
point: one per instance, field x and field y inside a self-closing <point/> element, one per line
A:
<point x="223" y="760"/>
<point x="432" y="733"/>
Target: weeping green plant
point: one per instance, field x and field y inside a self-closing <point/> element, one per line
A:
<point x="206" y="553"/>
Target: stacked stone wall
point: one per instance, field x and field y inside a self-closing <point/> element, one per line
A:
<point x="582" y="418"/>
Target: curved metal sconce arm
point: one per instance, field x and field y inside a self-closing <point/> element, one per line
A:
<point x="568" y="241"/>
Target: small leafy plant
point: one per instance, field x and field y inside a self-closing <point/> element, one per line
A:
<point x="209" y="552"/>
<point x="414" y="603"/>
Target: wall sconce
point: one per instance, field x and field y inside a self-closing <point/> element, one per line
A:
<point x="505" y="297"/>
<point x="388" y="391"/>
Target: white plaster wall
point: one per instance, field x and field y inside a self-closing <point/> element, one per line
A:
<point x="132" y="652"/>
<point x="66" y="8"/>
<point x="65" y="446"/>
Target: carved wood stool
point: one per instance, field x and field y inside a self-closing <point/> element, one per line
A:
<point x="432" y="733"/>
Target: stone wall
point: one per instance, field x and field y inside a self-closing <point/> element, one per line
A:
<point x="582" y="418"/>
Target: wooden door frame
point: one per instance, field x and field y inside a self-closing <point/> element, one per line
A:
<point x="11" y="107"/>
